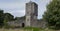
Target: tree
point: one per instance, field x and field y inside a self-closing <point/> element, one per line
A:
<point x="4" y="18"/>
<point x="8" y="17"/>
<point x="20" y="18"/>
<point x="1" y="18"/>
<point x="52" y="15"/>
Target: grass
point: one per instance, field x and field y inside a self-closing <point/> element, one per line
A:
<point x="32" y="28"/>
<point x="11" y="30"/>
<point x="28" y="29"/>
<point x="22" y="30"/>
<point x="37" y="29"/>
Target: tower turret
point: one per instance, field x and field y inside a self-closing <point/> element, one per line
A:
<point x="31" y="13"/>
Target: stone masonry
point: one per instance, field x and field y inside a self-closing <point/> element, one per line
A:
<point x="31" y="14"/>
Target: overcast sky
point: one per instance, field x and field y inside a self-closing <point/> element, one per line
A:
<point x="17" y="7"/>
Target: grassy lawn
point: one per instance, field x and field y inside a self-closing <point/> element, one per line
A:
<point x="32" y="28"/>
<point x="22" y="30"/>
<point x="11" y="30"/>
<point x="27" y="29"/>
<point x="37" y="29"/>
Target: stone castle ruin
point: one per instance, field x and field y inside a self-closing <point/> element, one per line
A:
<point x="30" y="17"/>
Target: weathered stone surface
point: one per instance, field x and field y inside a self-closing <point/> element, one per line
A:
<point x="31" y="14"/>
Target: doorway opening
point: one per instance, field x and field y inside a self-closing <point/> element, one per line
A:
<point x="23" y="24"/>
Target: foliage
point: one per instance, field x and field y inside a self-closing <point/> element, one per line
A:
<point x="4" y="18"/>
<point x="8" y="16"/>
<point x="52" y="15"/>
<point x="20" y="18"/>
<point x="1" y="18"/>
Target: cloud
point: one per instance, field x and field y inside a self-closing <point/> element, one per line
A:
<point x="17" y="7"/>
<point x="18" y="13"/>
<point x="12" y="5"/>
<point x="14" y="8"/>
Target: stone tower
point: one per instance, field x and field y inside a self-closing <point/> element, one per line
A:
<point x="31" y="14"/>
